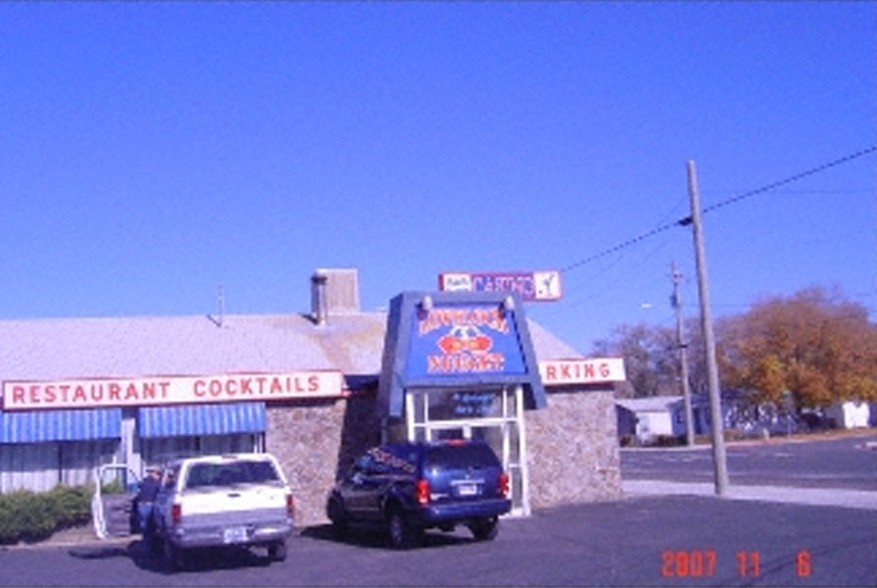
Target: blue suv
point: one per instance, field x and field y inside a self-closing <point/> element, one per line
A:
<point x="406" y="488"/>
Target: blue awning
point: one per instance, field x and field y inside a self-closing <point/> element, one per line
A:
<point x="201" y="419"/>
<point x="40" y="426"/>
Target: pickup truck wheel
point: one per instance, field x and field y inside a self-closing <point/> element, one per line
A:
<point x="277" y="551"/>
<point x="155" y="545"/>
<point x="172" y="557"/>
<point x="403" y="535"/>
<point x="485" y="529"/>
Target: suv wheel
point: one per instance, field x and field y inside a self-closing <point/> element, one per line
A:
<point x="338" y="518"/>
<point x="339" y="528"/>
<point x="402" y="534"/>
<point x="485" y="529"/>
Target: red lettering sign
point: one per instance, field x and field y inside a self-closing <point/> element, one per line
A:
<point x="582" y="371"/>
<point x="171" y="390"/>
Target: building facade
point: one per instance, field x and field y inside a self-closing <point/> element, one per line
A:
<point x="315" y="389"/>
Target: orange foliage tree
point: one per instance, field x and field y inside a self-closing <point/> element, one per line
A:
<point x="816" y="345"/>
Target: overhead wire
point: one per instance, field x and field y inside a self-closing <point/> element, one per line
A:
<point x="789" y="180"/>
<point x="685" y="221"/>
<point x="621" y="248"/>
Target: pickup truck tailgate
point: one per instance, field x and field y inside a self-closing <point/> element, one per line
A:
<point x="238" y="499"/>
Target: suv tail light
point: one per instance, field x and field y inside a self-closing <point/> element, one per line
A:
<point x="421" y="491"/>
<point x="176" y="513"/>
<point x="290" y="506"/>
<point x="502" y="485"/>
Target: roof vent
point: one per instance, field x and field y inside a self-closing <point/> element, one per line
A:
<point x="319" y="310"/>
<point x="334" y="291"/>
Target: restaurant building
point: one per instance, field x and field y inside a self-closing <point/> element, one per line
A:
<point x="315" y="389"/>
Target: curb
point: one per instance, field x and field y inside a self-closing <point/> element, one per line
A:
<point x="89" y="540"/>
<point x="830" y="497"/>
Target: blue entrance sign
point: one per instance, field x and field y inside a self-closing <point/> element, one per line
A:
<point x="464" y="339"/>
<point x="470" y="343"/>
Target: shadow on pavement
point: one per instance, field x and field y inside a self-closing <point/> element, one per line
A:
<point x="196" y="560"/>
<point x="372" y="538"/>
<point x="101" y="551"/>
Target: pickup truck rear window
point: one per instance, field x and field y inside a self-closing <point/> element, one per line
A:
<point x="475" y="455"/>
<point x="231" y="473"/>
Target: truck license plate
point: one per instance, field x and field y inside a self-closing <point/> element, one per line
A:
<point x="467" y="489"/>
<point x="235" y="535"/>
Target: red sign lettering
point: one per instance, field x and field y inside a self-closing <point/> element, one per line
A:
<point x="170" y="390"/>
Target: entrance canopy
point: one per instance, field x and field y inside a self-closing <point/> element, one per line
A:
<point x="460" y="340"/>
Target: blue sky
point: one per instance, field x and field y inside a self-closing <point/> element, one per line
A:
<point x="150" y="152"/>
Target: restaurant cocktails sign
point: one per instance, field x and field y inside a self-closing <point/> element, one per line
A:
<point x="157" y="390"/>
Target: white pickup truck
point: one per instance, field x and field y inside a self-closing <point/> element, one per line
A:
<point x="223" y="500"/>
<point x="209" y="501"/>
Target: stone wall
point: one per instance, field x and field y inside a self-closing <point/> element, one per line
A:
<point x="572" y="449"/>
<point x="316" y="441"/>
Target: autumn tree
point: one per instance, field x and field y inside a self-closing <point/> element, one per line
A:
<point x="816" y="345"/>
<point x="649" y="359"/>
<point x="698" y="375"/>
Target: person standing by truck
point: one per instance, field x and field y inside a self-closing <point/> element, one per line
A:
<point x="145" y="499"/>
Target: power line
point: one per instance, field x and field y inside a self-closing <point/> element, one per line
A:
<point x="621" y="246"/>
<point x="789" y="180"/>
<point x="683" y="222"/>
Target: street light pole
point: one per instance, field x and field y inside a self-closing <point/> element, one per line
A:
<point x="682" y="347"/>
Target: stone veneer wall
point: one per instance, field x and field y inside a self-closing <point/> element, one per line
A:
<point x="315" y="441"/>
<point x="572" y="449"/>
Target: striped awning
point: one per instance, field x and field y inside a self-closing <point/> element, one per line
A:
<point x="201" y="419"/>
<point x="60" y="425"/>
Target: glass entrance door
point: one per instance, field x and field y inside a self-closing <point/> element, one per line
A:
<point x="493" y="415"/>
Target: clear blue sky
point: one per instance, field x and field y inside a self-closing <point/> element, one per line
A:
<point x="150" y="152"/>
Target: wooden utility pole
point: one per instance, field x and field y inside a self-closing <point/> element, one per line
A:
<point x="719" y="458"/>
<point x="682" y="347"/>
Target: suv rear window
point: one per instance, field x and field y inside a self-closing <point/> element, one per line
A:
<point x="468" y="455"/>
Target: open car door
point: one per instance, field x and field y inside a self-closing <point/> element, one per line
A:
<point x="116" y="485"/>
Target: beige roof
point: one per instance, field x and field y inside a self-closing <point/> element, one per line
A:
<point x="44" y="349"/>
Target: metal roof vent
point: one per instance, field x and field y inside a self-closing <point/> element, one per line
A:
<point x="333" y="291"/>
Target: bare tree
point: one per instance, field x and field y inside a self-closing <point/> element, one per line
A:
<point x="649" y="356"/>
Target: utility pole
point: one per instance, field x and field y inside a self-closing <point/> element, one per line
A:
<point x="682" y="347"/>
<point x="719" y="458"/>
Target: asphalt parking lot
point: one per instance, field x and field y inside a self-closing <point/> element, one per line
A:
<point x="665" y="533"/>
<point x="638" y="541"/>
